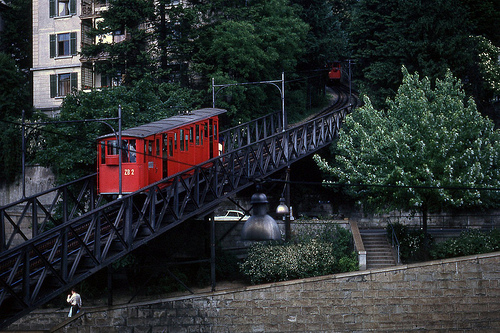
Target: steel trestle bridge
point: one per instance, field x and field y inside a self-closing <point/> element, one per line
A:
<point x="36" y="267"/>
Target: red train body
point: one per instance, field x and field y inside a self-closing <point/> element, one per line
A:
<point x="335" y="73"/>
<point x="157" y="150"/>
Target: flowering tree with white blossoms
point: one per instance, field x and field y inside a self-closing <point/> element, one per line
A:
<point x="430" y="150"/>
<point x="489" y="65"/>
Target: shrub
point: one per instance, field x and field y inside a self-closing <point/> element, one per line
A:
<point x="312" y="254"/>
<point x="468" y="243"/>
<point x="414" y="243"/>
<point x="416" y="246"/>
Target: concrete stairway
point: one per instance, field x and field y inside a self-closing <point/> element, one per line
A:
<point x="378" y="249"/>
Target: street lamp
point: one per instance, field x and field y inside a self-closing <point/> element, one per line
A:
<point x="282" y="209"/>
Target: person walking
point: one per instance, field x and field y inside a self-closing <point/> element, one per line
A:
<point x="75" y="301"/>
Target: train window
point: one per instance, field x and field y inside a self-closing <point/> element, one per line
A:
<point x="175" y="140"/>
<point x="206" y="130"/>
<point x="150" y="147"/>
<point x="170" y="147"/>
<point x="112" y="147"/>
<point x="191" y="135"/>
<point x="181" y="134"/>
<point x="103" y="152"/>
<point x="157" y="147"/>
<point x="131" y="151"/>
<point x="215" y="130"/>
<point x="165" y="146"/>
<point x="197" y="134"/>
<point x="124" y="151"/>
<point x="186" y="138"/>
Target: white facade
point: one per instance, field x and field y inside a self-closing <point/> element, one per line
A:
<point x="56" y="45"/>
<point x="59" y="30"/>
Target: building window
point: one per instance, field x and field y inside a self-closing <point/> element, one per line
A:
<point x="63" y="45"/>
<point x="59" y="8"/>
<point x="63" y="84"/>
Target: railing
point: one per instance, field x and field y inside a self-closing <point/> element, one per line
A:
<point x="95" y="234"/>
<point x="91" y="8"/>
<point x="248" y="133"/>
<point x="395" y="242"/>
<point x="485" y="221"/>
<point x="27" y="218"/>
<point x="358" y="244"/>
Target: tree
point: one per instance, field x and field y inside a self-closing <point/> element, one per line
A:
<point x="424" y="36"/>
<point x="16" y="36"/>
<point x="13" y="100"/>
<point x="176" y="29"/>
<point x="485" y="18"/>
<point x="326" y="40"/>
<point x="132" y="58"/>
<point x="259" y="43"/>
<point x="430" y="150"/>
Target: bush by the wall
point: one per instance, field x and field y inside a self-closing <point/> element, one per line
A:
<point x="414" y="243"/>
<point x="316" y="253"/>
<point x="468" y="243"/>
<point x="416" y="246"/>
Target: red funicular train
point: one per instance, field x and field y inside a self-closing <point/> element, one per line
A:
<point x="335" y="73"/>
<point x="157" y="150"/>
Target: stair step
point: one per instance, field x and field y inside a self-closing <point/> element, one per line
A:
<point x="378" y="249"/>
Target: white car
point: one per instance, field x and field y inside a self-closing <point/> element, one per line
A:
<point x="232" y="215"/>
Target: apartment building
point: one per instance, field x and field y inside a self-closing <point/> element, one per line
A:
<point x="59" y="31"/>
<point x="60" y="28"/>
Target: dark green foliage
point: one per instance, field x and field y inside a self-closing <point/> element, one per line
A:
<point x="415" y="246"/>
<point x="425" y="36"/>
<point x="468" y="243"/>
<point x="250" y="44"/>
<point x="328" y="251"/>
<point x="15" y="89"/>
<point x="13" y="100"/>
<point x="131" y="59"/>
<point x="16" y="36"/>
<point x="485" y="18"/>
<point x="414" y="243"/>
<point x="326" y="41"/>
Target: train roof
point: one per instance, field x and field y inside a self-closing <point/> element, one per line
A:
<point x="169" y="123"/>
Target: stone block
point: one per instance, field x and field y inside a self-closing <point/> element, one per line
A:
<point x="309" y="310"/>
<point x="384" y="293"/>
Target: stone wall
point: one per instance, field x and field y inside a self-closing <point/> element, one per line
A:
<point x="460" y="294"/>
<point x="37" y="180"/>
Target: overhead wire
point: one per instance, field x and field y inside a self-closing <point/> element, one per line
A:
<point x="63" y="134"/>
<point x="323" y="183"/>
<point x="331" y="184"/>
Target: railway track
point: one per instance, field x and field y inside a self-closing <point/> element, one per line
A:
<point x="340" y="101"/>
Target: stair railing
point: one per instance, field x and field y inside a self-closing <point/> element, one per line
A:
<point x="395" y="242"/>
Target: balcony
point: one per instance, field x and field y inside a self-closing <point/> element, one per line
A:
<point x="91" y="9"/>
